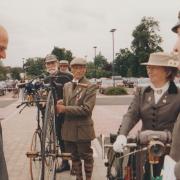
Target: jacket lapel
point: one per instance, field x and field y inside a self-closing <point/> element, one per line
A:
<point x="164" y="100"/>
<point x="149" y="98"/>
<point x="77" y="90"/>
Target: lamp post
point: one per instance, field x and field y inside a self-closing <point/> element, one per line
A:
<point x="94" y="61"/>
<point x="112" y="31"/>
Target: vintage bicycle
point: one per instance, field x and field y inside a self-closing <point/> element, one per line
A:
<point x="44" y="149"/>
<point x="147" y="145"/>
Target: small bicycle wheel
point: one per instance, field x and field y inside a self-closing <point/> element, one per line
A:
<point x="35" y="159"/>
<point x="49" y="144"/>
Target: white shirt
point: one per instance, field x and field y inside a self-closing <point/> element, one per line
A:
<point x="158" y="92"/>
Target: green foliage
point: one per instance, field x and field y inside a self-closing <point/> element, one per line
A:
<point x="3" y="72"/>
<point x="146" y="41"/>
<point x="99" y="68"/>
<point x="115" y="91"/>
<point x="34" y="66"/>
<point x="15" y="72"/>
<point x="62" y="54"/>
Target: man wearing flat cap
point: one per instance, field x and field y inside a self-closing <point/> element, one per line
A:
<point x="78" y="128"/>
<point x="157" y="105"/>
<point x="52" y="65"/>
<point x="64" y="66"/>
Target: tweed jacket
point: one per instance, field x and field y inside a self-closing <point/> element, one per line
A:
<point x="160" y="116"/>
<point x="78" y="124"/>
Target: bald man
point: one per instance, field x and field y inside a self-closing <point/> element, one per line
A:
<point x="3" y="47"/>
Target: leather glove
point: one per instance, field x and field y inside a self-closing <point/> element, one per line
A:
<point x="119" y="144"/>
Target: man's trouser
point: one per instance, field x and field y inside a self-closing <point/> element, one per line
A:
<point x="81" y="150"/>
<point x="3" y="168"/>
<point x="59" y="122"/>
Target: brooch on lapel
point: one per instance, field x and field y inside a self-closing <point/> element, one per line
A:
<point x="164" y="100"/>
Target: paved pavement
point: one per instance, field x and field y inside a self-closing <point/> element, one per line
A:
<point x="18" y="129"/>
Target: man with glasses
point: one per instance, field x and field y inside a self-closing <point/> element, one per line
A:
<point x="64" y="66"/>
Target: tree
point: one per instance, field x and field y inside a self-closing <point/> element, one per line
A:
<point x="62" y="54"/>
<point x="15" y="72"/>
<point x="146" y="41"/>
<point x="34" y="66"/>
<point x="3" y="72"/>
<point x="122" y="63"/>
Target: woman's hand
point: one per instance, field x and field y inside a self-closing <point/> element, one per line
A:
<point x="119" y="144"/>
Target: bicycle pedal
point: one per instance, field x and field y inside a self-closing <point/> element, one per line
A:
<point x="32" y="154"/>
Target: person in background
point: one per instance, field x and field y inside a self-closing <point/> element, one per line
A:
<point x="64" y="66"/>
<point x="78" y="128"/>
<point x="52" y="65"/>
<point x="156" y="105"/>
<point x="176" y="29"/>
<point x="3" y="47"/>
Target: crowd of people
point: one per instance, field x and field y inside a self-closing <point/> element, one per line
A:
<point x="157" y="105"/>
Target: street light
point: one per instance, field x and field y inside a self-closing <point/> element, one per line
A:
<point x="94" y="60"/>
<point x="113" y="30"/>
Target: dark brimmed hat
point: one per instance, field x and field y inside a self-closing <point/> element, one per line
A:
<point x="50" y="58"/>
<point x="78" y="61"/>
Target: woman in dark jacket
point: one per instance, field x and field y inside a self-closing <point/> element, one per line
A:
<point x="156" y="105"/>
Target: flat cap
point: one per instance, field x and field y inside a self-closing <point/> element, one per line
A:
<point x="63" y="62"/>
<point x="50" y="58"/>
<point x="78" y="61"/>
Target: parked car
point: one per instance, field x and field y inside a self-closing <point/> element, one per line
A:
<point x="141" y="82"/>
<point x="105" y="83"/>
<point x="2" y="88"/>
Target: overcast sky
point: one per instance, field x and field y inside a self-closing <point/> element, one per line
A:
<point x="36" y="26"/>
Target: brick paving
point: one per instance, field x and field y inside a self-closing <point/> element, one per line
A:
<point x="18" y="129"/>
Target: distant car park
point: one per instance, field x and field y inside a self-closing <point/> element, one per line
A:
<point x="2" y="88"/>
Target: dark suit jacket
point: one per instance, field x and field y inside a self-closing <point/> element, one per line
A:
<point x="158" y="116"/>
<point x="3" y="168"/>
<point x="78" y="124"/>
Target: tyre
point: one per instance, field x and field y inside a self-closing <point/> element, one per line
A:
<point x="36" y="159"/>
<point x="49" y="143"/>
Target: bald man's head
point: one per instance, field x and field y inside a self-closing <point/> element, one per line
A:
<point x="3" y="42"/>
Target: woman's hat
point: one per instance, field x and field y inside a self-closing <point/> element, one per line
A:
<point x="163" y="59"/>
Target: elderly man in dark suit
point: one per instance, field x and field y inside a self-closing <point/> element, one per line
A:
<point x="3" y="47"/>
<point x="156" y="105"/>
<point x="78" y="128"/>
<point x="52" y="64"/>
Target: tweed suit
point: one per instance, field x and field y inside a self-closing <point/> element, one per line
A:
<point x="78" y="126"/>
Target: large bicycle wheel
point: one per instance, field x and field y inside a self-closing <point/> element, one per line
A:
<point x="49" y="144"/>
<point x="35" y="158"/>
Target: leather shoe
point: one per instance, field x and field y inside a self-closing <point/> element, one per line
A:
<point x="63" y="167"/>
